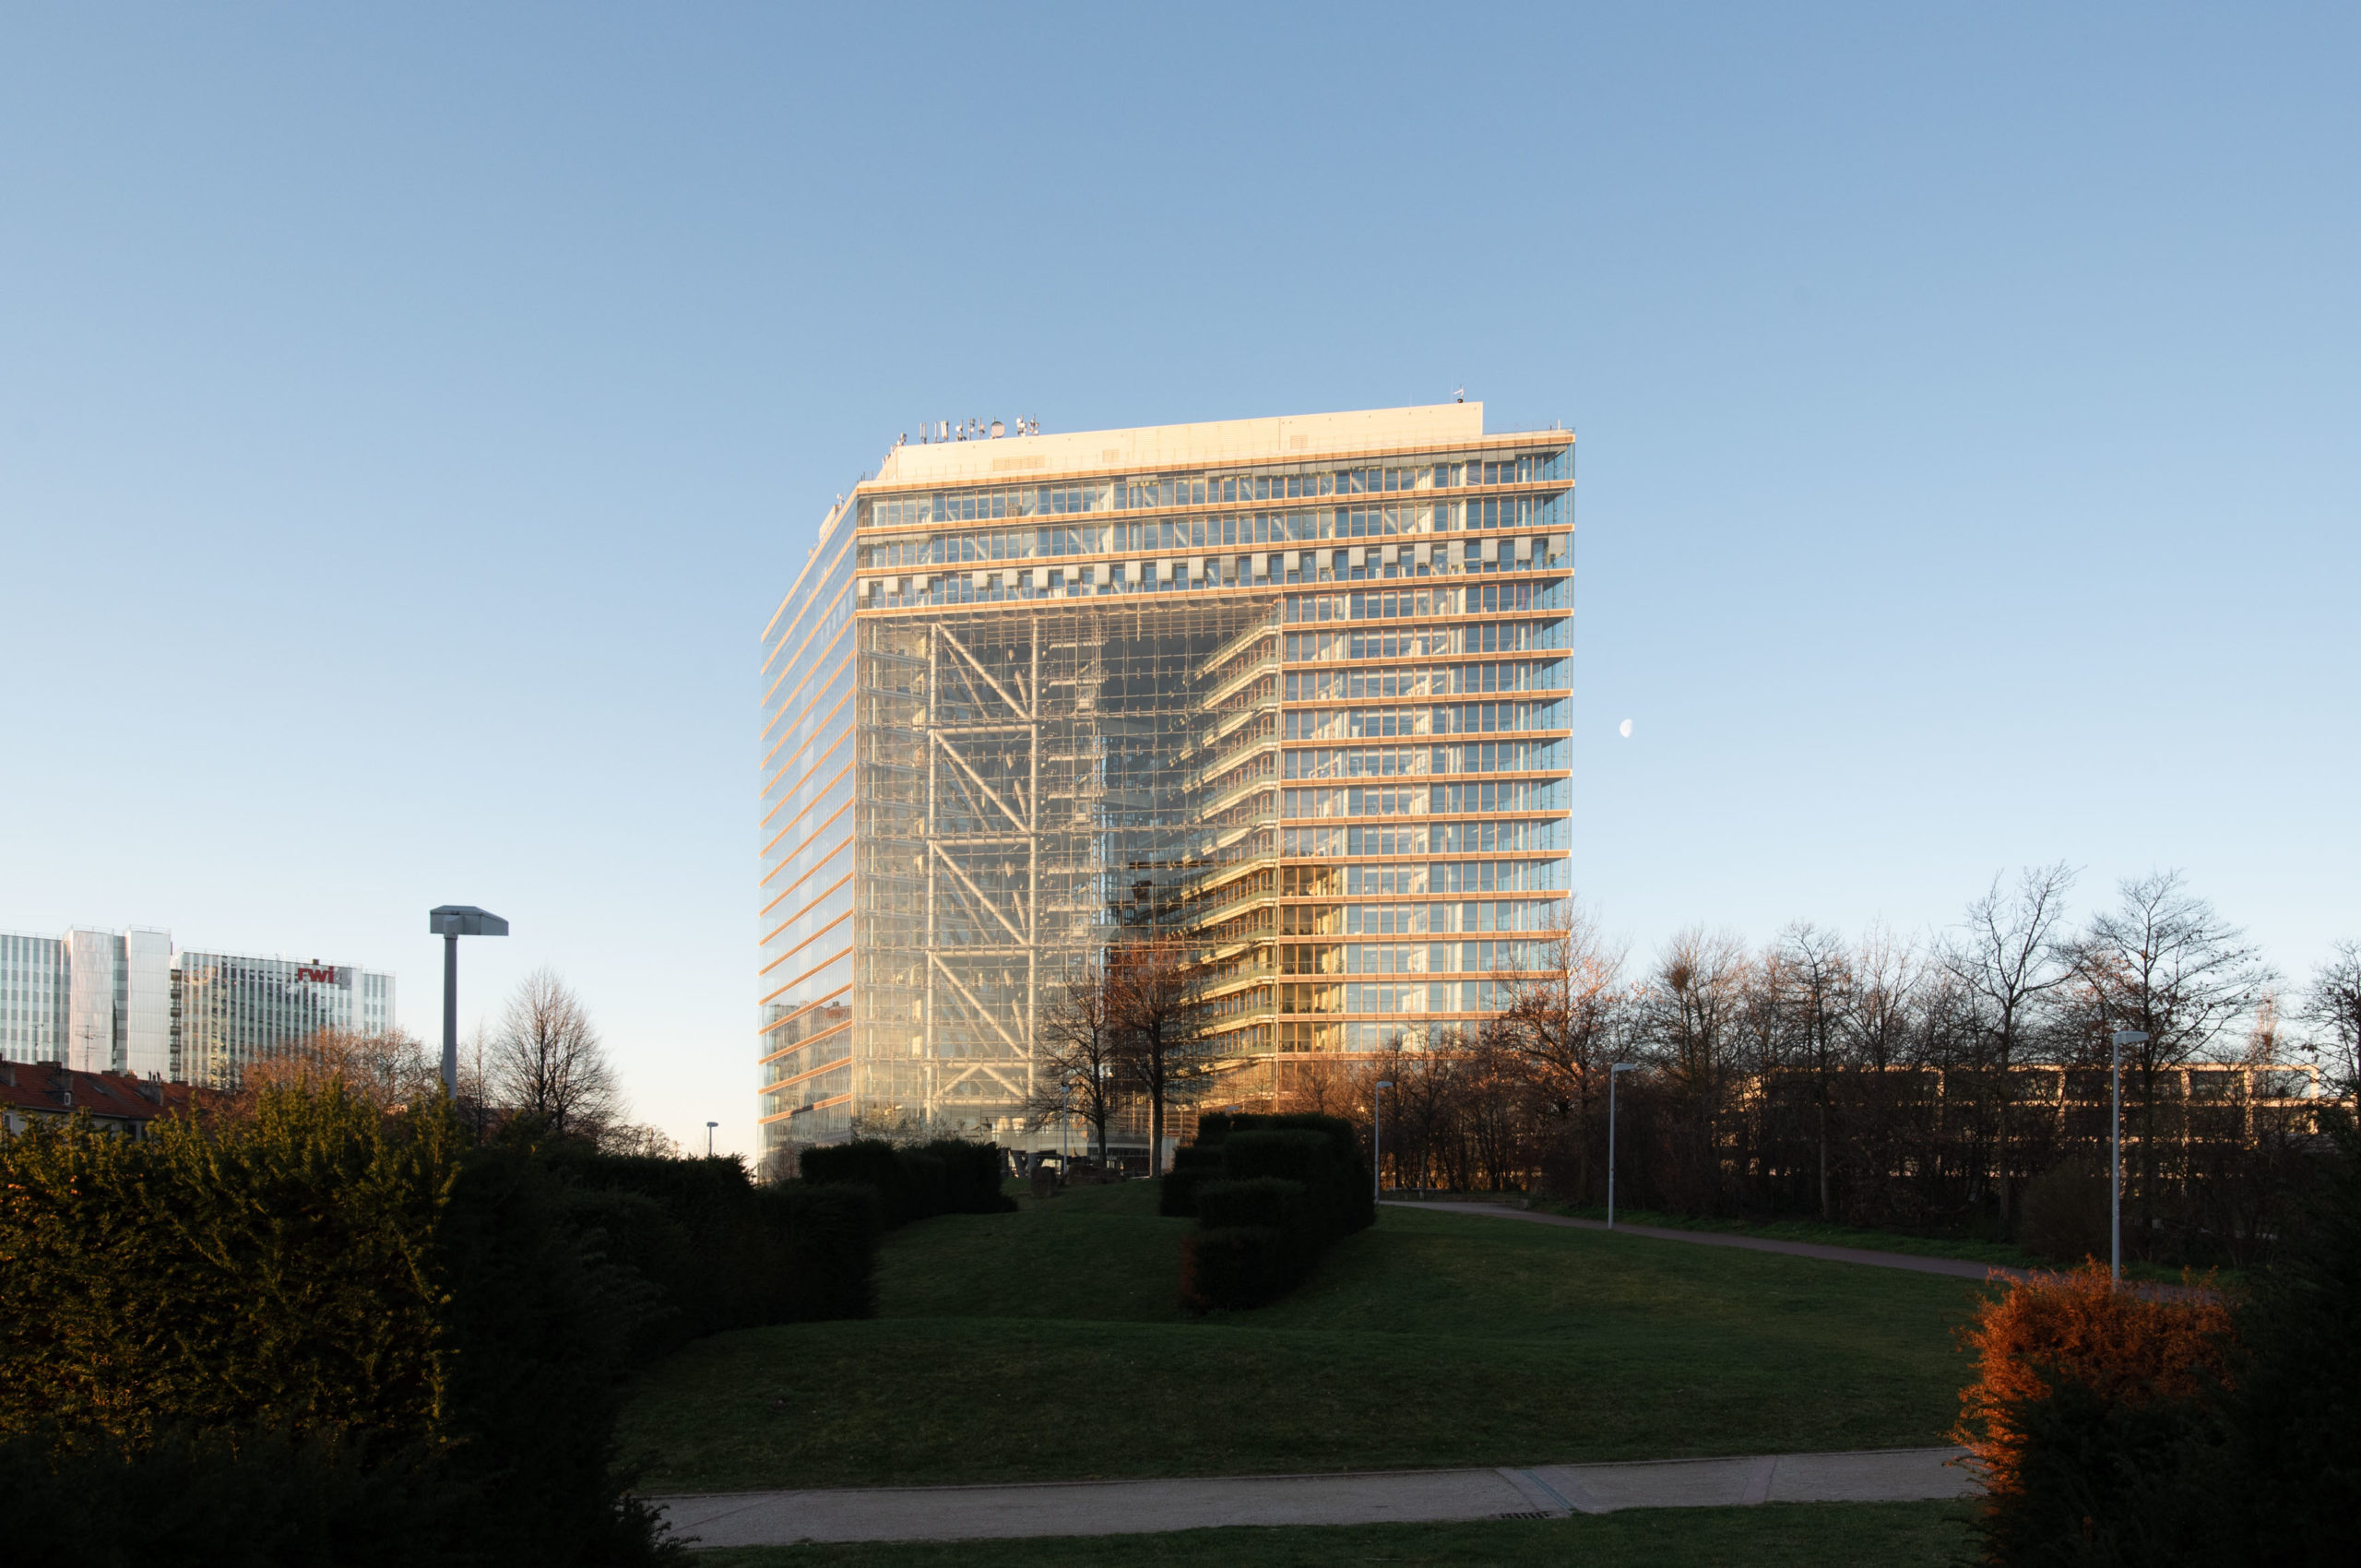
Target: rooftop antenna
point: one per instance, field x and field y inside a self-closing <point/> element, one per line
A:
<point x="1459" y="394"/>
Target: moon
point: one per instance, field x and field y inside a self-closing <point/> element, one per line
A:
<point x="1624" y="729"/>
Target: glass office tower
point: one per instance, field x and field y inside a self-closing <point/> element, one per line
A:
<point x="1291" y="690"/>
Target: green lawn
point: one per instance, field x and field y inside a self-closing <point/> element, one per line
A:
<point x="1048" y="1345"/>
<point x="1967" y="1249"/>
<point x="2003" y="1253"/>
<point x="1810" y="1535"/>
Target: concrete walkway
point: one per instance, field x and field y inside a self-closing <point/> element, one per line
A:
<point x="1115" y="1508"/>
<point x="1957" y="1267"/>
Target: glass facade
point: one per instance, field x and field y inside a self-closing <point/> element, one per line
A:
<point x="35" y="993"/>
<point x="124" y="1002"/>
<point x="1291" y="683"/>
<point x="229" y="1011"/>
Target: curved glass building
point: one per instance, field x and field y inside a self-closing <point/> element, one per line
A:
<point x="1293" y="689"/>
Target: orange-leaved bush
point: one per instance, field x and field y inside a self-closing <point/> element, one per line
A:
<point x="2087" y="1399"/>
<point x="2079" y="1327"/>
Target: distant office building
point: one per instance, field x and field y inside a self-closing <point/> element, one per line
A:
<point x="36" y="999"/>
<point x="124" y="1002"/>
<point x="1289" y="691"/>
<point x="229" y="1011"/>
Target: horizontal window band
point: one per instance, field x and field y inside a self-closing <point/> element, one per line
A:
<point x="805" y="1043"/>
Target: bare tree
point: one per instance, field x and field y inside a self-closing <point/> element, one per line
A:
<point x="388" y="1068"/>
<point x="638" y="1138"/>
<point x="548" y="1061"/>
<point x="1564" y="1027"/>
<point x="1686" y="1014"/>
<point x="1421" y="1107"/>
<point x="1156" y="1006"/>
<point x="2332" y="1012"/>
<point x="2007" y="958"/>
<point x="1078" y="1057"/>
<point x="1819" y="975"/>
<point x="1322" y="1087"/>
<point x="1881" y="1002"/>
<point x="2164" y="963"/>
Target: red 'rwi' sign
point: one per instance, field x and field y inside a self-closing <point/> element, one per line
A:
<point x="306" y="972"/>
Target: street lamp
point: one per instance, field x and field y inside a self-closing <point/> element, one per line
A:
<point x="709" y="1138"/>
<point x="1376" y="1139"/>
<point x="452" y="922"/>
<point x="1612" y="1070"/>
<point x="2116" y="1043"/>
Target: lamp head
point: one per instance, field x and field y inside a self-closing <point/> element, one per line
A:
<point x="2128" y="1037"/>
<point x="465" y="919"/>
<point x="1385" y="1083"/>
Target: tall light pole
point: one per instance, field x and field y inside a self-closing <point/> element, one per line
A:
<point x="2116" y="1043"/>
<point x="709" y="1138"/>
<point x="1376" y="1139"/>
<point x="452" y="922"/>
<point x="1614" y="1069"/>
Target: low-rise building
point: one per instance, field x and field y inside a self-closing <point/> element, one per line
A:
<point x="116" y="1103"/>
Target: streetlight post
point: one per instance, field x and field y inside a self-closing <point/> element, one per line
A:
<point x="709" y="1138"/>
<point x="1612" y="1071"/>
<point x="452" y="922"/>
<point x="2116" y="1043"/>
<point x="1377" y="1140"/>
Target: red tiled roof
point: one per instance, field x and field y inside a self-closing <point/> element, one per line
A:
<point x="53" y="1089"/>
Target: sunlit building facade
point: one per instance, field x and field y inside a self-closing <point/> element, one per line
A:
<point x="128" y="1002"/>
<point x="229" y="1011"/>
<point x="1292" y="691"/>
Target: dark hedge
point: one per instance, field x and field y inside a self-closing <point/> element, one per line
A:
<point x="948" y="1176"/>
<point x="1193" y="1164"/>
<point x="1271" y="1194"/>
<point x="324" y="1334"/>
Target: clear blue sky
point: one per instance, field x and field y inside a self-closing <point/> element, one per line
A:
<point x="409" y="416"/>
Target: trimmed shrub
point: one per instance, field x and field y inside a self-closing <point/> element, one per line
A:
<point x="1246" y="1266"/>
<point x="948" y="1176"/>
<point x="722" y="1253"/>
<point x="2086" y="1398"/>
<point x="874" y="1163"/>
<point x="971" y="1177"/>
<point x="266" y="1499"/>
<point x="1359" y="1193"/>
<point x="1193" y="1164"/>
<point x="283" y="1274"/>
<point x="1271" y="1194"/>
<point x="1268" y="1202"/>
<point x="325" y="1334"/>
<point x="1303" y="1156"/>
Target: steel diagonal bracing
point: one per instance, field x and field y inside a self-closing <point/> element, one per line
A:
<point x="980" y="1070"/>
<point x="969" y="883"/>
<point x="977" y="779"/>
<point x="981" y="1009"/>
<point x="964" y="727"/>
<point x="1020" y="709"/>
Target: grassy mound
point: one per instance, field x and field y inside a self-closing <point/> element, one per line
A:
<point x="1051" y="1344"/>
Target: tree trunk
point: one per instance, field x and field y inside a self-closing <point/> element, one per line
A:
<point x="1823" y="1153"/>
<point x="1155" y="1130"/>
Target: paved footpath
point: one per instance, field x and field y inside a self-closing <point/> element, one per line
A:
<point x="1114" y="1508"/>
<point x="1958" y="1267"/>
